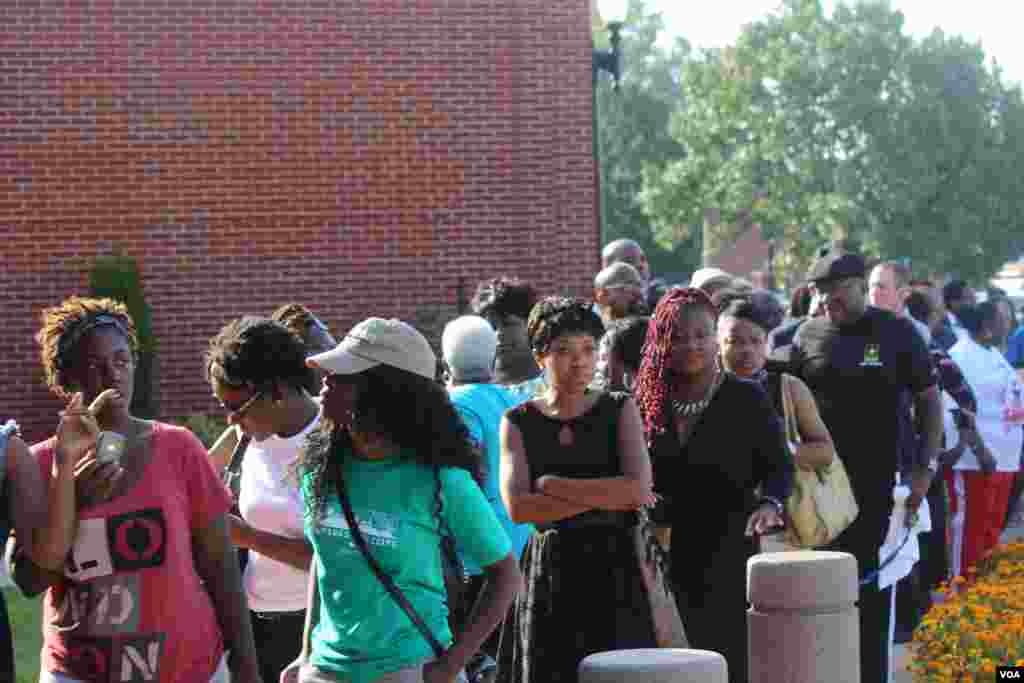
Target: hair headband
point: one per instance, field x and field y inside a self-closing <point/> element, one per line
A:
<point x="70" y="339"/>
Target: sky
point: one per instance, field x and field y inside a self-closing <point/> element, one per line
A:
<point x="996" y="23"/>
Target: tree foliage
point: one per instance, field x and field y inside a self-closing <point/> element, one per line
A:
<point x="632" y="129"/>
<point x="818" y="125"/>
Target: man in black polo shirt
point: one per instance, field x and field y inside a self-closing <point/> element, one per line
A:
<point x="861" y="363"/>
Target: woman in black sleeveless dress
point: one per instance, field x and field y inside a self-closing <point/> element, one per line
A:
<point x="573" y="463"/>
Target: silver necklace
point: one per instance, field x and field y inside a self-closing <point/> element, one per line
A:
<point x="694" y="408"/>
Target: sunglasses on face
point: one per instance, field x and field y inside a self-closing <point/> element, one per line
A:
<point x="238" y="412"/>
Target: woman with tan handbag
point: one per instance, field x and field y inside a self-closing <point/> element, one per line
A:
<point x="822" y="503"/>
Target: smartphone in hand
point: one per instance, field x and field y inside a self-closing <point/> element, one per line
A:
<point x="110" y="447"/>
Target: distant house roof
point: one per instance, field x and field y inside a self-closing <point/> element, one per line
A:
<point x="750" y="253"/>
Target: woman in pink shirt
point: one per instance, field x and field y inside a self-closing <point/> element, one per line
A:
<point x="141" y="579"/>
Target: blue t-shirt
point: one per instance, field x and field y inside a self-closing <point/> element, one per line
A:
<point x="1015" y="349"/>
<point x="528" y="389"/>
<point x="362" y="633"/>
<point x="481" y="407"/>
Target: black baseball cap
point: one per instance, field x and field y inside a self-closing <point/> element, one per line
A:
<point x="837" y="265"/>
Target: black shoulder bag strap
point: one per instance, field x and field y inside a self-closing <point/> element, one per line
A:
<point x="233" y="471"/>
<point x="232" y="478"/>
<point x="382" y="576"/>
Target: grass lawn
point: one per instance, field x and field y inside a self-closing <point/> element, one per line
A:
<point x="25" y="614"/>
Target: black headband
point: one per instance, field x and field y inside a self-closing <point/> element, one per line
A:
<point x="70" y="339"/>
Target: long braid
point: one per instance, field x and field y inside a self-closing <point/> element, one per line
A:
<point x="653" y="379"/>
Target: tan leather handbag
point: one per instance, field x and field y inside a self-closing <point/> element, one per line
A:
<point x="822" y="504"/>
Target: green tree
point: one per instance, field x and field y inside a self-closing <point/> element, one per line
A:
<point x="632" y="129"/>
<point x="821" y="127"/>
<point x="943" y="178"/>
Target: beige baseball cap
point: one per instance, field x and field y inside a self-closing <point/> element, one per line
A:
<point x="377" y="341"/>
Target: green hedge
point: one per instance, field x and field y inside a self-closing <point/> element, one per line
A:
<point x="117" y="276"/>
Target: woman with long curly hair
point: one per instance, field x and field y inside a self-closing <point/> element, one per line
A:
<point x="720" y="465"/>
<point x="393" y="445"/>
<point x="573" y="462"/>
<point x="142" y="581"/>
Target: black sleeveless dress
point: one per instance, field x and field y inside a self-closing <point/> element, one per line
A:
<point x="583" y="593"/>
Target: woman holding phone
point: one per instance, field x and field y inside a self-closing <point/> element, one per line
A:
<point x="141" y="581"/>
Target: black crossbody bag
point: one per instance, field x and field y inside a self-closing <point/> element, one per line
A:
<point x="448" y="556"/>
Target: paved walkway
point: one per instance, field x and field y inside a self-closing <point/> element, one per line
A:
<point x="902" y="657"/>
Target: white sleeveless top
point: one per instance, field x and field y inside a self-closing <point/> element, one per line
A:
<point x="269" y="500"/>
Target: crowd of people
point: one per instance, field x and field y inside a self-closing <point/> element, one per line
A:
<point x="581" y="476"/>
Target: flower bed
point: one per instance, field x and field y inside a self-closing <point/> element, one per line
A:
<point x="979" y="626"/>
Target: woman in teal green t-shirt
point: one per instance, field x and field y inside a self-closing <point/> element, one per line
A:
<point x="392" y="440"/>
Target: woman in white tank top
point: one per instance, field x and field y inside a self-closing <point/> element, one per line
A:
<point x="256" y="368"/>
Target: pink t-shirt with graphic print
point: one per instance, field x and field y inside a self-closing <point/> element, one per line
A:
<point x="132" y="607"/>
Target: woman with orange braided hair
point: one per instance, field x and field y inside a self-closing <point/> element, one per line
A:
<point x="714" y="440"/>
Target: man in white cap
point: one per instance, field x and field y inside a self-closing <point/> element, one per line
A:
<point x="468" y="345"/>
<point x="711" y="280"/>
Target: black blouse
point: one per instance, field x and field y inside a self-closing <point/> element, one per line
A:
<point x="738" y="445"/>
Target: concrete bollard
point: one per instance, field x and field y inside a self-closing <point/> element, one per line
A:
<point x="803" y="622"/>
<point x="654" y="665"/>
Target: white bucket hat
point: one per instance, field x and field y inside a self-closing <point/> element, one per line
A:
<point x="377" y="341"/>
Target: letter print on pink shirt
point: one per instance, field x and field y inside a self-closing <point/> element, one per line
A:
<point x="103" y="599"/>
<point x="124" y="660"/>
<point x="122" y="543"/>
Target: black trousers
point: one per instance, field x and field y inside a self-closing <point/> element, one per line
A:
<point x="862" y="540"/>
<point x="934" y="561"/>
<point x="913" y="593"/>
<point x="278" y="638"/>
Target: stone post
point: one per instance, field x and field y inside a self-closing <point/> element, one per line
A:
<point x="654" y="666"/>
<point x="803" y="623"/>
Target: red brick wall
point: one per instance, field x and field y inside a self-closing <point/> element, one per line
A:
<point x="358" y="157"/>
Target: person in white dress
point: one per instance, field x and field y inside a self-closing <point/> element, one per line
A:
<point x="980" y="481"/>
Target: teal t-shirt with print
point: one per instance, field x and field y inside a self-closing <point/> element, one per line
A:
<point x="362" y="633"/>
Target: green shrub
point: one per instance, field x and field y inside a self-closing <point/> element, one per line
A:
<point x="117" y="276"/>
